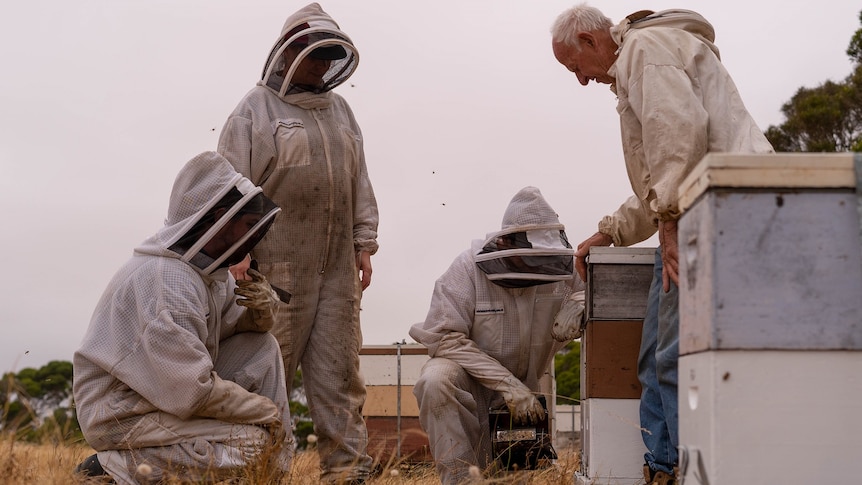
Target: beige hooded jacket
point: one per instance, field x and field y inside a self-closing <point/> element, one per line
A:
<point x="676" y="102"/>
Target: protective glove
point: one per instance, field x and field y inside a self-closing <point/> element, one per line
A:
<point x="569" y="322"/>
<point x="258" y="296"/>
<point x="228" y="401"/>
<point x="522" y="404"/>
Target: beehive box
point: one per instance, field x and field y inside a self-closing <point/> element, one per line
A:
<point x="612" y="447"/>
<point x="609" y="359"/>
<point x="770" y="417"/>
<point x="391" y="411"/>
<point x="618" y="282"/>
<point x="770" y="285"/>
<point x="770" y="254"/>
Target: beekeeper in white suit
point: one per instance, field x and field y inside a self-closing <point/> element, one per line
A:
<point x="489" y="333"/>
<point x="296" y="138"/>
<point x="177" y="375"/>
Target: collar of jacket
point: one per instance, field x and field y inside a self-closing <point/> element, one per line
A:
<point x="310" y="100"/>
<point x="303" y="100"/>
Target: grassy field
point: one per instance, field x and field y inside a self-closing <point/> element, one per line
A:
<point x="53" y="464"/>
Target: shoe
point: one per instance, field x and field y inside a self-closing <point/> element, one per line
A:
<point x="91" y="467"/>
<point x="658" y="477"/>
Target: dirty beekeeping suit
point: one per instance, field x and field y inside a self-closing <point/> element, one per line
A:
<point x="177" y="370"/>
<point x="297" y="139"/>
<point x="489" y="333"/>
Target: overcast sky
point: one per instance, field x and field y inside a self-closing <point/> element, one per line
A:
<point x="461" y="104"/>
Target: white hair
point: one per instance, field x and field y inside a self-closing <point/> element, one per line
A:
<point x="580" y="18"/>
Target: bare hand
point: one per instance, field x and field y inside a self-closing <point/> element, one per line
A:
<point x="363" y="262"/>
<point x="597" y="239"/>
<point x="667" y="234"/>
<point x="240" y="270"/>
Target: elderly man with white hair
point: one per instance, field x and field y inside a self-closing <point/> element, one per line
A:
<point x="676" y="103"/>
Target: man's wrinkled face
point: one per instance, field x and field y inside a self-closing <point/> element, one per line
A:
<point x="591" y="62"/>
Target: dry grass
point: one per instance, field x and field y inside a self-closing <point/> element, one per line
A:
<point x="49" y="464"/>
<point x="53" y="464"/>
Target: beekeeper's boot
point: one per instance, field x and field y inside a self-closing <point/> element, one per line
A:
<point x="658" y="477"/>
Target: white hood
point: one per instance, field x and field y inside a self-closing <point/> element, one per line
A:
<point x="208" y="183"/>
<point x="312" y="31"/>
<point x="687" y="20"/>
<point x="531" y="248"/>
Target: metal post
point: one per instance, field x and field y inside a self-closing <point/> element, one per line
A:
<point x="398" y="406"/>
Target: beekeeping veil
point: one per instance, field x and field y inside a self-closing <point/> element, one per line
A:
<point x="309" y="33"/>
<point x="209" y="196"/>
<point x="532" y="247"/>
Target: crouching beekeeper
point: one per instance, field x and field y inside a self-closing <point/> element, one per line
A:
<point x="491" y="333"/>
<point x="177" y="375"/>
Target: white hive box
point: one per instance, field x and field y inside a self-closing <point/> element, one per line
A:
<point x="770" y="417"/>
<point x="770" y="254"/>
<point x="611" y="443"/>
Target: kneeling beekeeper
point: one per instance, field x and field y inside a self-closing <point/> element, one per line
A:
<point x="491" y="333"/>
<point x="177" y="375"/>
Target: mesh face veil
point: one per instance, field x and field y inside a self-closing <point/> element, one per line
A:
<point x="234" y="223"/>
<point x="527" y="256"/>
<point x="313" y="56"/>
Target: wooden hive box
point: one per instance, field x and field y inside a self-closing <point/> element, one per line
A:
<point x="770" y="254"/>
<point x="618" y="282"/>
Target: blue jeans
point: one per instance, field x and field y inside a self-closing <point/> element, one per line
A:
<point x="657" y="372"/>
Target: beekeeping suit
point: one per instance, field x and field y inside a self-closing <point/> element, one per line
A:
<point x="299" y="141"/>
<point x="172" y="371"/>
<point x="488" y="332"/>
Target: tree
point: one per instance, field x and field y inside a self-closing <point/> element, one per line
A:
<point x="48" y="386"/>
<point x="827" y="118"/>
<point x="855" y="48"/>
<point x="567" y="368"/>
<point x="36" y="403"/>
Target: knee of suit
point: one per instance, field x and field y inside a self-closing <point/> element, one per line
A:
<point x="441" y="380"/>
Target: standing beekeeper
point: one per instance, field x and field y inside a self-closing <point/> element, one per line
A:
<point x="177" y="375"/>
<point x="490" y="333"/>
<point x="676" y="102"/>
<point x="296" y="138"/>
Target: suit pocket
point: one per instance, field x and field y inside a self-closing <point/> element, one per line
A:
<point x="487" y="330"/>
<point x="291" y="142"/>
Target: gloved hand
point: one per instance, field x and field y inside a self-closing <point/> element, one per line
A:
<point x="228" y="401"/>
<point x="522" y="404"/>
<point x="569" y="322"/>
<point x="260" y="299"/>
